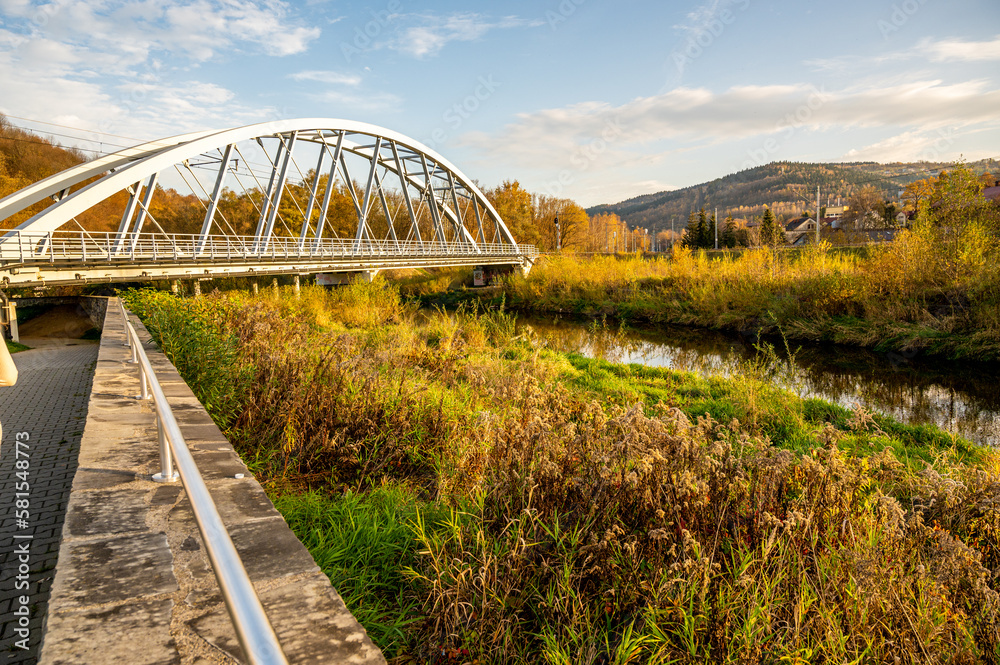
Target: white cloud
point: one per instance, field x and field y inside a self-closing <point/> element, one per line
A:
<point x="601" y="151"/>
<point x="142" y="110"/>
<point x="123" y="33"/>
<point x="327" y="77"/>
<point x="943" y="50"/>
<point x="957" y="50"/>
<point x="699" y="115"/>
<point x="433" y="33"/>
<point x="101" y="64"/>
<point x="344" y="90"/>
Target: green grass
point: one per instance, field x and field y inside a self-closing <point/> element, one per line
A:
<point x="363" y="542"/>
<point x="15" y="347"/>
<point x="787" y="420"/>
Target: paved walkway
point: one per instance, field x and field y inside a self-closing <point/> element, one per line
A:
<point x="49" y="402"/>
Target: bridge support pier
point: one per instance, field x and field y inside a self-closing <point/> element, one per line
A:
<point x="344" y="278"/>
<point x="197" y="288"/>
<point x="9" y="317"/>
<point x="175" y="287"/>
<point x="295" y="284"/>
<point x="255" y="287"/>
<point x="274" y="284"/>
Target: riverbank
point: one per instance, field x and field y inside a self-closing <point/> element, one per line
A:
<point x="907" y="296"/>
<point x="476" y="496"/>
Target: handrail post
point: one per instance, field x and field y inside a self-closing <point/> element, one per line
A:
<point x="167" y="473"/>
<point x="128" y="337"/>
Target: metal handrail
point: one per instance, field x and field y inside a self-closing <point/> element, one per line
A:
<point x="26" y="248"/>
<point x="253" y="628"/>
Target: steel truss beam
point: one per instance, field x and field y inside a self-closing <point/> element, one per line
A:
<point x="436" y="182"/>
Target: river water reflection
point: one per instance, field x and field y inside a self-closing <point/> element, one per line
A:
<point x="961" y="398"/>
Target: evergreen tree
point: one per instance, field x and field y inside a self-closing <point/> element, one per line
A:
<point x="691" y="237"/>
<point x="771" y="233"/>
<point x="728" y="237"/>
<point x="704" y="232"/>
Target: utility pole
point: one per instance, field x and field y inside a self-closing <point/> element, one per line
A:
<point x="716" y="219"/>
<point x="817" y="214"/>
<point x="558" y="235"/>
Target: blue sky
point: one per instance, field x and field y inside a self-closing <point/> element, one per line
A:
<point x="588" y="99"/>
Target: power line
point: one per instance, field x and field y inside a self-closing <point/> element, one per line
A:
<point x="92" y="140"/>
<point x="79" y="129"/>
<point x="51" y="145"/>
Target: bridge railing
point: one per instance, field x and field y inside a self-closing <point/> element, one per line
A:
<point x="33" y="248"/>
<point x="253" y="629"/>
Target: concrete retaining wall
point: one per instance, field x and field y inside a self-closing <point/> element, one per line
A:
<point x="133" y="583"/>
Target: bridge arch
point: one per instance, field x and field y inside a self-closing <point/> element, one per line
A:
<point x="430" y="192"/>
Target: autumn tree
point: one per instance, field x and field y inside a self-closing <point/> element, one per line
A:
<point x="574" y="224"/>
<point x="513" y="203"/>
<point x="866" y="209"/>
<point x="606" y="232"/>
<point x="919" y="191"/>
<point x="958" y="202"/>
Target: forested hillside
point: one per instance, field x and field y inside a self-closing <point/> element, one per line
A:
<point x="788" y="188"/>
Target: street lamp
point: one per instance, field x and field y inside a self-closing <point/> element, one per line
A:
<point x="558" y="235"/>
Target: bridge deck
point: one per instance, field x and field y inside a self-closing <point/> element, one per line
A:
<point x="28" y="259"/>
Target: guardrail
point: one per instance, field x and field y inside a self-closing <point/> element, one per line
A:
<point x="33" y="248"/>
<point x="253" y="629"/>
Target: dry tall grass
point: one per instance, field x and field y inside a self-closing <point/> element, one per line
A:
<point x="918" y="292"/>
<point x="544" y="525"/>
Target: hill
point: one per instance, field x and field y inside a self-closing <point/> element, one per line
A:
<point x="25" y="158"/>
<point x="788" y="188"/>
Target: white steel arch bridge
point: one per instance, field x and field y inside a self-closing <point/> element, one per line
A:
<point x="313" y="195"/>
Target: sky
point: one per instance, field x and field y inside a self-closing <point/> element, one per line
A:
<point x="591" y="100"/>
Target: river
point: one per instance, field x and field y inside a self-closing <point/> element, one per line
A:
<point x="961" y="398"/>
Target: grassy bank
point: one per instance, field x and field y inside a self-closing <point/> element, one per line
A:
<point x="477" y="498"/>
<point x="911" y="295"/>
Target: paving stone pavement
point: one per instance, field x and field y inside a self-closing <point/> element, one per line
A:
<point x="49" y="402"/>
